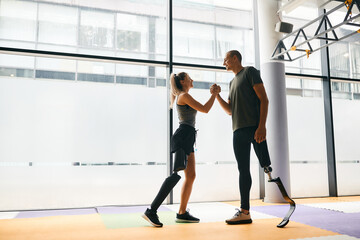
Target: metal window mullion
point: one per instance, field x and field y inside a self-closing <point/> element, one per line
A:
<point x="36" y="38"/>
<point x="115" y="43"/>
<point x="215" y="46"/>
<point x="257" y="65"/>
<point x="330" y="144"/>
<point x="350" y="62"/>
<point x="329" y="125"/>
<point x="170" y="198"/>
<point x="37" y="26"/>
<point x="83" y="57"/>
<point x="77" y="41"/>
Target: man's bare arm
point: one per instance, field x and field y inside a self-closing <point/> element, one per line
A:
<point x="225" y="105"/>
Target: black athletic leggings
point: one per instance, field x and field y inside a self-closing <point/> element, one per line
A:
<point x="242" y="140"/>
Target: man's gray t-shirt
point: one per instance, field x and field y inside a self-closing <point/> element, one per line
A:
<point x="245" y="105"/>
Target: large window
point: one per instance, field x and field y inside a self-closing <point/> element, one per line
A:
<point x="67" y="132"/>
<point x="306" y="104"/>
<point x="91" y="121"/>
<point x="344" y="63"/>
<point x="86" y="127"/>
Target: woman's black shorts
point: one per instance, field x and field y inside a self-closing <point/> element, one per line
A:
<point x="182" y="144"/>
<point x="184" y="137"/>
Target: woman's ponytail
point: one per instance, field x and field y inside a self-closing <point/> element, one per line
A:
<point x="175" y="86"/>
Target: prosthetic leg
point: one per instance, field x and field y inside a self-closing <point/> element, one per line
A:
<point x="180" y="160"/>
<point x="172" y="180"/>
<point x="277" y="180"/>
<point x="165" y="189"/>
<point x="150" y="215"/>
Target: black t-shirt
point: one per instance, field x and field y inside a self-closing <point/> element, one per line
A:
<point x="245" y="105"/>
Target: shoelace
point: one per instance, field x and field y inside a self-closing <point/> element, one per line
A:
<point x="237" y="213"/>
<point x="188" y="211"/>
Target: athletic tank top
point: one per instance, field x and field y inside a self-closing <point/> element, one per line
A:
<point x="186" y="114"/>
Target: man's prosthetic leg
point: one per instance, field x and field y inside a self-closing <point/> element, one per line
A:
<point x="172" y="180"/>
<point x="278" y="182"/>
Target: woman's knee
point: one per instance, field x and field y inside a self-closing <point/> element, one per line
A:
<point x="190" y="176"/>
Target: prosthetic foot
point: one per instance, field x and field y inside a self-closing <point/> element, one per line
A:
<point x="277" y="180"/>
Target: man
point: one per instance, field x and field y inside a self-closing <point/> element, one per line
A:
<point x="248" y="106"/>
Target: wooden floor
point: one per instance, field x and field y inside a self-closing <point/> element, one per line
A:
<point x="315" y="218"/>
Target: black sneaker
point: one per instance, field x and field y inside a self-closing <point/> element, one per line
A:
<point x="186" y="218"/>
<point x="151" y="216"/>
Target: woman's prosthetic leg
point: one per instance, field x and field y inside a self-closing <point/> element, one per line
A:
<point x="170" y="182"/>
<point x="180" y="160"/>
<point x="165" y="189"/>
<point x="278" y="182"/>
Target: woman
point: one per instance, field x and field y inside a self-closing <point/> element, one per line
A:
<point x="182" y="144"/>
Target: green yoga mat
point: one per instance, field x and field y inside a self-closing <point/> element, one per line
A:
<point x="128" y="220"/>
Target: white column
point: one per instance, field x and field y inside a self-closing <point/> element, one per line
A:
<point x="273" y="75"/>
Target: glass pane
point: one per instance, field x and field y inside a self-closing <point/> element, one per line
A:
<point x="346" y="131"/>
<point x="55" y="68"/>
<point x="211" y="28"/>
<point x="124" y="28"/>
<point x="244" y="43"/>
<point x="58" y="25"/>
<point x="215" y="161"/>
<point x="16" y="66"/>
<point x="307" y="142"/>
<point x="193" y="41"/>
<point x="78" y="137"/>
<point x="18" y="22"/>
<point x="96" y="29"/>
<point x="132" y="32"/>
<point x="96" y="71"/>
<point x="339" y="60"/>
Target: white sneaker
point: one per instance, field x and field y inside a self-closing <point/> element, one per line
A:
<point x="239" y="218"/>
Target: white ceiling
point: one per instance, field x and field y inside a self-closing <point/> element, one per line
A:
<point x="290" y="5"/>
